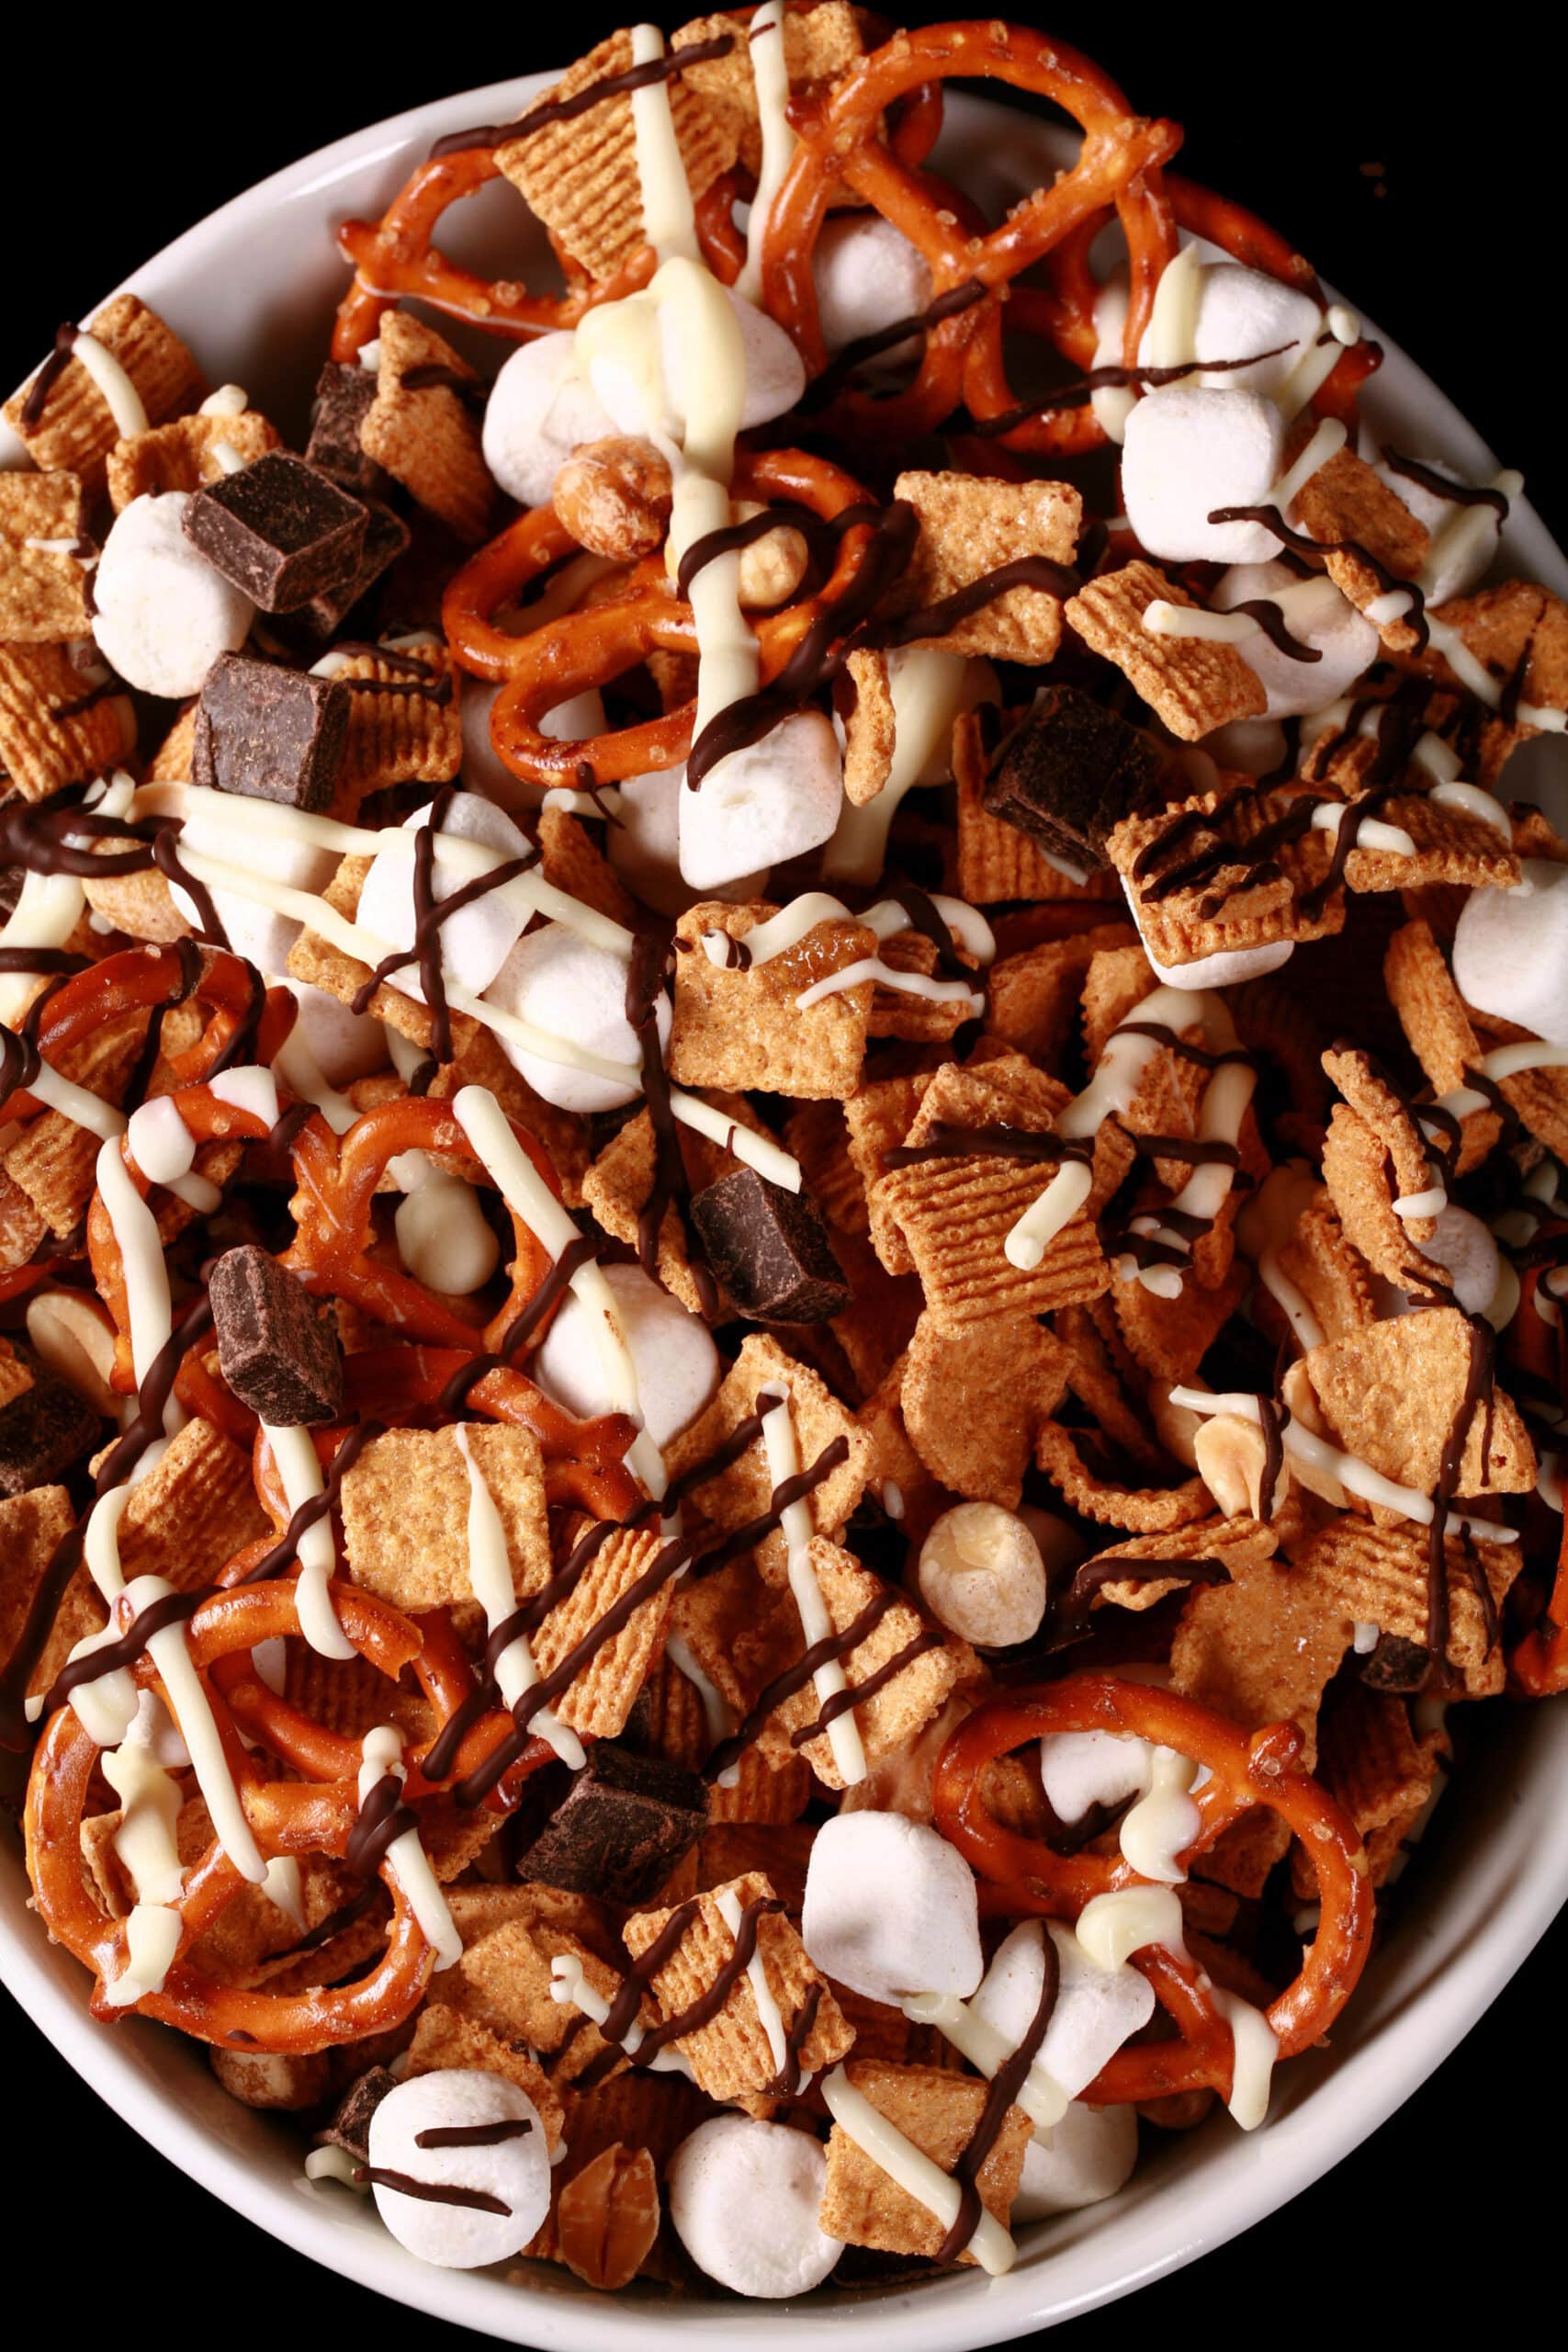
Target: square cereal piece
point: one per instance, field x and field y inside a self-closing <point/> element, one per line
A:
<point x="32" y="1527"/>
<point x="54" y="1159"/>
<point x="580" y="176"/>
<point x="617" y="1186"/>
<point x="327" y="965"/>
<point x="1195" y="683"/>
<point x="192" y="1511"/>
<point x="735" y="2053"/>
<point x="743" y="1491"/>
<point x="1515" y="630"/>
<point x="57" y="727"/>
<point x="422" y="425"/>
<point x="502" y="1981"/>
<point x="405" y="1512"/>
<point x="820" y="44"/>
<point x="1392" y="1393"/>
<point x="910" y="1667"/>
<point x="938" y="2111"/>
<point x="184" y="455"/>
<point x="1370" y="1758"/>
<point x="909" y="1013"/>
<point x="1235" y="897"/>
<point x="1540" y="1096"/>
<point x="43" y="579"/>
<point x="1364" y="1575"/>
<point x="974" y="1398"/>
<point x="877" y="1117"/>
<point x="570" y="862"/>
<point x="956" y="1209"/>
<point x="403" y="726"/>
<point x="1453" y="848"/>
<point x="603" y="1691"/>
<point x="739" y="1026"/>
<point x="1163" y="1563"/>
<point x="1170" y="1336"/>
<point x="75" y="427"/>
<point x="1345" y="499"/>
<point x="444" y="2038"/>
<point x="1032" y="998"/>
<point x="1321" y="1262"/>
<point x="1144" y="1511"/>
<point x="818" y="1135"/>
<point x="971" y="527"/>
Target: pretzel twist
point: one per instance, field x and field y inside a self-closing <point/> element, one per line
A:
<point x="1246" y="1770"/>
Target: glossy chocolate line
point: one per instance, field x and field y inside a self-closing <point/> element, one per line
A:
<point x="1415" y="615"/>
<point x="998" y="1142"/>
<point x="57" y="962"/>
<point x="1032" y="571"/>
<point x="609" y="85"/>
<point x="581" y="1252"/>
<point x="951" y="305"/>
<point x="1457" y="493"/>
<point x="434" y="689"/>
<point x="1071" y="1615"/>
<point x="927" y="918"/>
<point x="786" y="2082"/>
<point x="383" y="1819"/>
<point x="1272" y="1419"/>
<point x="622" y="2013"/>
<point x="171" y="1608"/>
<point x="438" y="913"/>
<point x="473" y="2135"/>
<point x="164" y="854"/>
<point x="431" y="2192"/>
<point x="839" y="1703"/>
<point x="670" y="1189"/>
<point x="1082" y="388"/>
<point x="1185" y="1148"/>
<point x="1002" y="2090"/>
<point x="1271" y="621"/>
<point x="314" y="1507"/>
<point x="1314" y="900"/>
<point x="141" y="1078"/>
<point x="336" y="1921"/>
<point x="43" y="383"/>
<point x="831" y="1647"/>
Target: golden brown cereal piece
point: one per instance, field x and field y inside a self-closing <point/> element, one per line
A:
<point x="480" y="1061"/>
<point x="1328" y="1270"/>
<point x="1195" y="683"/>
<point x="43" y="581"/>
<point x="1032" y="998"/>
<point x="1108" y="1381"/>
<point x="766" y="1791"/>
<point x="878" y="1117"/>
<point x="171" y="763"/>
<point x="1374" y="1154"/>
<point x="607" y="2216"/>
<point x="184" y="456"/>
<point x="32" y="1525"/>
<point x="405" y="1512"/>
<point x="1540" y="1096"/>
<point x="992" y="862"/>
<point x="398" y="736"/>
<point x="350" y="1696"/>
<point x="956" y="1211"/>
<point x="444" y="2038"/>
<point x="1345" y="499"/>
<point x="614" y="497"/>
<point x="729" y="1849"/>
<point x="1170" y="1336"/>
<point x="603" y="1691"/>
<point x="16" y="1375"/>
<point x="1366" y="1575"/>
<point x="324" y="965"/>
<point x="733" y="2053"/>
<point x="55" y="727"/>
<point x="820" y="44"/>
<point x="818" y="1135"/>
<point x="1512" y="628"/>
<point x="568" y="860"/>
<point x="77" y="428"/>
<point x="194" y="1509"/>
<point x="903" y="1013"/>
<point x="478" y="1911"/>
<point x="900" y="1707"/>
<point x="879" y="1322"/>
<point x="974" y="1399"/>
<point x="971" y="527"/>
<point x="1391" y="1395"/>
<point x="744" y="1027"/>
<point x="938" y="2111"/>
<point x="741" y="1629"/>
<point x="743" y="1492"/>
<point x="427" y="436"/>
<point x="1370" y="1758"/>
<point x="1223" y="908"/>
<point x="1146" y="1511"/>
<point x="1453" y="849"/>
<point x="53" y="1159"/>
<point x="1434" y="1018"/>
<point x="1240" y="1544"/>
<point x="580" y="176"/>
<point x="617" y="1186"/>
<point x="863" y="698"/>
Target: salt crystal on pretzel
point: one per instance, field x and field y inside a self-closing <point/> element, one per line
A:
<point x="125" y="370"/>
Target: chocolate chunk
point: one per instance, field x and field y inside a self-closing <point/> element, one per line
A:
<point x="1396" y="1664"/>
<point x="277" y="1349"/>
<point x="279" y="529"/>
<point x="345" y="394"/>
<point x="271" y="733"/>
<point x="1069" y="773"/>
<point x="42" y="1433"/>
<point x="624" y="1824"/>
<point x="316" y="624"/>
<point x="350" y="2125"/>
<point x="769" y="1250"/>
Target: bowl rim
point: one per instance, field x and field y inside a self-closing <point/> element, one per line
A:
<point x="1508" y="1909"/>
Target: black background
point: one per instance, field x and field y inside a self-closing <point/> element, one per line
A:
<point x="1422" y="180"/>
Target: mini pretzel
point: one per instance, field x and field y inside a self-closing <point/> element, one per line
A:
<point x="1245" y="1770"/>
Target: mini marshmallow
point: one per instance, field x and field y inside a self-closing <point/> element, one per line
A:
<point x="1096" y="2008"/>
<point x="980" y="1572"/>
<point x="775" y="376"/>
<point x="1467" y="1247"/>
<point x="255" y="931"/>
<point x="1467" y="565"/>
<point x="643" y="845"/>
<point x="1188" y="450"/>
<point x="1080" y="1769"/>
<point x="1243" y="310"/>
<point x="868" y="276"/>
<point x="516" y="2172"/>
<point x="773" y="800"/>
<point x="578" y="992"/>
<point x="1227" y="969"/>
<point x="1252" y="746"/>
<point x="890" y="1908"/>
<point x="164" y="615"/>
<point x="1510" y="953"/>
<point x="744" y="2198"/>
<point x="344" y="1045"/>
<point x="673" y="1356"/>
<point x="483" y="769"/>
<point x="1081" y="2161"/>
<point x="475" y="944"/>
<point x="1317" y="616"/>
<point x="540" y="409"/>
<point x="445" y="1240"/>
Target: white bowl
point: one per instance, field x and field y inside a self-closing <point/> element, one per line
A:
<point x="252" y="288"/>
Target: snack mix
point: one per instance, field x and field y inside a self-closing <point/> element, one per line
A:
<point x="779" y="1204"/>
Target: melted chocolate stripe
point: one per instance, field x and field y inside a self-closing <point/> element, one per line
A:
<point x="1005" y="2085"/>
<point x="609" y="85"/>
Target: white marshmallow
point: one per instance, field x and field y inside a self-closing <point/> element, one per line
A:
<point x="558" y="981"/>
<point x="164" y="612"/>
<point x="1465" y="568"/>
<point x="1079" y="1768"/>
<point x="890" y="1908"/>
<point x="1081" y="2161"/>
<point x="868" y="276"/>
<point x="1324" y="620"/>
<point x="475" y="944"/>
<point x="672" y="1354"/>
<point x="1225" y="969"/>
<point x="1255" y="746"/>
<point x="744" y="2198"/>
<point x="1242" y="311"/>
<point x="775" y="375"/>
<point x="757" y="807"/>
<point x="1096" y="2008"/>
<point x="344" y="1045"/>
<point x="540" y="409"/>
<point x="1510" y="953"/>
<point x="1468" y="1250"/>
<point x="258" y="932"/>
<point x="445" y="1238"/>
<point x="645" y="850"/>
<point x="1188" y="450"/>
<point x="516" y="2172"/>
<point x="980" y="1572"/>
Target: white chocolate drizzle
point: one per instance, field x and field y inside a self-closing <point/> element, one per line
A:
<point x="913" y="2170"/>
<point x="490" y="1574"/>
<point x="816" y="1625"/>
<point x="382" y="1751"/>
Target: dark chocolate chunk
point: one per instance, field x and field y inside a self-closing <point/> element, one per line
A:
<point x="350" y="2126"/>
<point x="769" y="1250"/>
<point x="1396" y="1664"/>
<point x="624" y="1824"/>
<point x="277" y="1351"/>
<point x="344" y="393"/>
<point x="279" y="529"/>
<point x="271" y="733"/>
<point x="1069" y="773"/>
<point x="42" y="1433"/>
<point x="316" y="624"/>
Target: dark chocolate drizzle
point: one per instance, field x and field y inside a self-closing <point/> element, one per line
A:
<point x="646" y="975"/>
<point x="1003" y="2089"/>
<point x="622" y="2014"/>
<point x="315" y="1506"/>
<point x="43" y="383"/>
<point x="1082" y="388"/>
<point x="431" y="2192"/>
<point x="998" y="1142"/>
<point x="609" y="85"/>
<point x="866" y="347"/>
<point x="1458" y="493"/>
<point x="1299" y="543"/>
<point x="473" y="2135"/>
